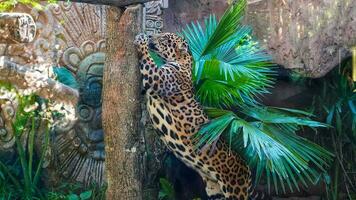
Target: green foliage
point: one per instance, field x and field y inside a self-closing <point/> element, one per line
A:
<point x="158" y="60"/>
<point x="166" y="190"/>
<point x="337" y="101"/>
<point x="76" y="191"/>
<point x="82" y="196"/>
<point x="25" y="179"/>
<point x="266" y="137"/>
<point x="8" y="5"/>
<point x="334" y="103"/>
<point x="231" y="70"/>
<point x="20" y="180"/>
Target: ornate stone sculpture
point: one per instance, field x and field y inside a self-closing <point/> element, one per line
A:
<point x="78" y="148"/>
<point x="16" y="27"/>
<point x="152" y="14"/>
<point x="72" y="35"/>
<point x="7" y="113"/>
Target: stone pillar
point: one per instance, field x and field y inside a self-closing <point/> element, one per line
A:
<point x="122" y="106"/>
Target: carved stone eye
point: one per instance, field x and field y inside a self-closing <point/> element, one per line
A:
<point x="85" y="112"/>
<point x="92" y="92"/>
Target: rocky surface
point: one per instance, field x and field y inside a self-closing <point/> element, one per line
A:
<point x="310" y="37"/>
<point x="179" y="13"/>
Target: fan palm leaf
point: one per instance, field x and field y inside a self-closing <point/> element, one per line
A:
<point x="225" y="54"/>
<point x="268" y="141"/>
<point x="230" y="72"/>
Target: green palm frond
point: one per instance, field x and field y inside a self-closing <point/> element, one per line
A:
<point x="227" y="60"/>
<point x="266" y="137"/>
<point x="231" y="71"/>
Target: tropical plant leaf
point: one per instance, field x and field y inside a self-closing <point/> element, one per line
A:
<point x="156" y="58"/>
<point x="267" y="139"/>
<point x="86" y="195"/>
<point x="229" y="67"/>
<point x="167" y="190"/>
<point x="225" y="29"/>
<point x="231" y="71"/>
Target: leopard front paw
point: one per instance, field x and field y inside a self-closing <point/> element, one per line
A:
<point x="141" y="40"/>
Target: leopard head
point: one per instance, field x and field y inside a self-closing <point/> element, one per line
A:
<point x="170" y="47"/>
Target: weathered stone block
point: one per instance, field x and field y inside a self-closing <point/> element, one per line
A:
<point x="16" y="28"/>
<point x="310" y="37"/>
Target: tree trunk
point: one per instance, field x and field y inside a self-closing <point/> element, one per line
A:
<point x="121" y="105"/>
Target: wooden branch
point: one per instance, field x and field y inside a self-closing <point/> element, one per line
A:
<point x="117" y="3"/>
<point x="16" y="28"/>
<point x="23" y="78"/>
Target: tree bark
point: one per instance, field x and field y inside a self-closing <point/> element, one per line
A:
<point x="117" y="3"/>
<point x="121" y="105"/>
<point x="24" y="77"/>
<point x="16" y="28"/>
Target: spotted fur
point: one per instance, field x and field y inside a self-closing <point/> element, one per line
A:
<point x="177" y="116"/>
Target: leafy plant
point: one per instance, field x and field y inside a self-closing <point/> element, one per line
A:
<point x="8" y="5"/>
<point x="230" y="67"/>
<point x="335" y="104"/>
<point x="26" y="180"/>
<point x="76" y="191"/>
<point x="166" y="190"/>
<point x="231" y="71"/>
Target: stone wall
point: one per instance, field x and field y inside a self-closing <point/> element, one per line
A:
<point x="72" y="35"/>
<point x="309" y="37"/>
<point x="181" y="12"/>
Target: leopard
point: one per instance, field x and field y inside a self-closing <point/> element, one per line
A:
<point x="177" y="116"/>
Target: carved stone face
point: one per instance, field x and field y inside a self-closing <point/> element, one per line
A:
<point x="89" y="126"/>
<point x="80" y="146"/>
<point x="73" y="35"/>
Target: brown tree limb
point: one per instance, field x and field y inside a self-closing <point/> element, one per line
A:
<point x="117" y="3"/>
<point x="24" y="77"/>
<point x="16" y="28"/>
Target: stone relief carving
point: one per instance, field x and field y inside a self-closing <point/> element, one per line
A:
<point x="152" y="14"/>
<point x="72" y="35"/>
<point x="7" y="114"/>
<point x="78" y="148"/>
<point x="69" y="35"/>
<point x="16" y="27"/>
